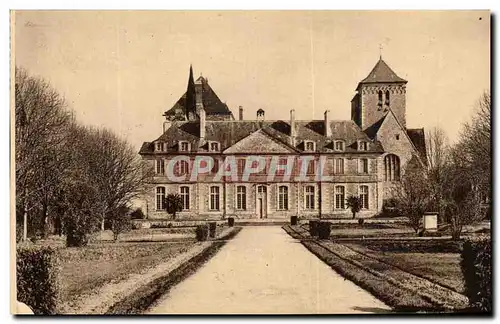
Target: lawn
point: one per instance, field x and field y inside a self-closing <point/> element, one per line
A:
<point x="85" y="269"/>
<point x="437" y="261"/>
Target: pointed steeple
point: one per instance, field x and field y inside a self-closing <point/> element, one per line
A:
<point x="190" y="95"/>
<point x="382" y="73"/>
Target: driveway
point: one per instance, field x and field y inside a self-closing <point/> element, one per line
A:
<point x="265" y="271"/>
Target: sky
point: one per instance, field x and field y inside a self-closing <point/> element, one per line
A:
<point x="123" y="69"/>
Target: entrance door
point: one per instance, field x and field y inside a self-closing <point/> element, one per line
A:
<point x="262" y="202"/>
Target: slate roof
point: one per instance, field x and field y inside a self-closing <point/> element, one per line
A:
<point x="382" y="73"/>
<point x="227" y="133"/>
<point x="211" y="102"/>
<point x="417" y="136"/>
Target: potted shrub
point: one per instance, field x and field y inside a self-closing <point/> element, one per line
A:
<point x="230" y="221"/>
<point x="293" y="220"/>
<point x="212" y="229"/>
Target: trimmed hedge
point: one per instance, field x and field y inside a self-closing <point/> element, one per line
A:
<point x="202" y="232"/>
<point x="293" y="220"/>
<point x="323" y="230"/>
<point x="313" y="227"/>
<point x="230" y="221"/>
<point x="36" y="279"/>
<point x="212" y="229"/>
<point x="476" y="268"/>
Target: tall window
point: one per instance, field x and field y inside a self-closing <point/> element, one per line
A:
<point x="214" y="198"/>
<point x="387" y="98"/>
<point x="241" y="198"/>
<point x="215" y="167"/>
<point x="391" y="166"/>
<point x="339" y="197"/>
<point x="309" y="195"/>
<point x="184" y="193"/>
<point x="362" y="146"/>
<point x="339" y="166"/>
<point x="160" y="167"/>
<point x="311" y="167"/>
<point x="363" y="194"/>
<point x="339" y="146"/>
<point x="241" y="165"/>
<point x="182" y="167"/>
<point x="283" y="198"/>
<point x="160" y="198"/>
<point x="380" y="98"/>
<point x="363" y="165"/>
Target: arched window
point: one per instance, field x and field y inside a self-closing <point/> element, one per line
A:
<point x="392" y="168"/>
<point x="380" y="98"/>
<point x="387" y="98"/>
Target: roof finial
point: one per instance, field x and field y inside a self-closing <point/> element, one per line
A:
<point x="380" y="50"/>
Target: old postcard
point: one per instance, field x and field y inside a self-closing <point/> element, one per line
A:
<point x="251" y="162"/>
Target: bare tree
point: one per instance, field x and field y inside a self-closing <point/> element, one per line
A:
<point x="413" y="196"/>
<point x="41" y="122"/>
<point x="438" y="156"/>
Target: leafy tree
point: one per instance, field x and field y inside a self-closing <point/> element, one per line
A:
<point x="174" y="204"/>
<point x="354" y="203"/>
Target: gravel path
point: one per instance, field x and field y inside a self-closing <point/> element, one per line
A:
<point x="265" y="271"/>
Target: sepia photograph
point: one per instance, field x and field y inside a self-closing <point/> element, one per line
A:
<point x="291" y="162"/>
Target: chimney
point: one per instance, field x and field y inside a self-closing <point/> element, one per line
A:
<point x="241" y="112"/>
<point x="203" y="123"/>
<point x="293" y="130"/>
<point x="328" y="129"/>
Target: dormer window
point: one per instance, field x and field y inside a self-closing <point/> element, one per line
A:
<point x="213" y="146"/>
<point x="184" y="146"/>
<point x="362" y="146"/>
<point x="159" y="146"/>
<point x="309" y="146"/>
<point x="339" y="145"/>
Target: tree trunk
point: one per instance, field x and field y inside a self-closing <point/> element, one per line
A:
<point x="353" y="215"/>
<point x="25" y="222"/>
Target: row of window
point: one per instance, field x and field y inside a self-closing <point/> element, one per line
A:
<point x="182" y="167"/>
<point x="387" y="98"/>
<point x="309" y="146"/>
<point x="241" y="197"/>
<point x="185" y="146"/>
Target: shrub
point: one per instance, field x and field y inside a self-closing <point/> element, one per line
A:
<point x="120" y="223"/>
<point x="476" y="268"/>
<point x="361" y="221"/>
<point x="212" y="229"/>
<point x="323" y="230"/>
<point x="313" y="227"/>
<point x="293" y="220"/>
<point x="76" y="234"/>
<point x="36" y="279"/>
<point x="137" y="214"/>
<point x="202" y="232"/>
<point x="230" y="221"/>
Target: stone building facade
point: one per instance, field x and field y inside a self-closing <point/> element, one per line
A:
<point x="319" y="163"/>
